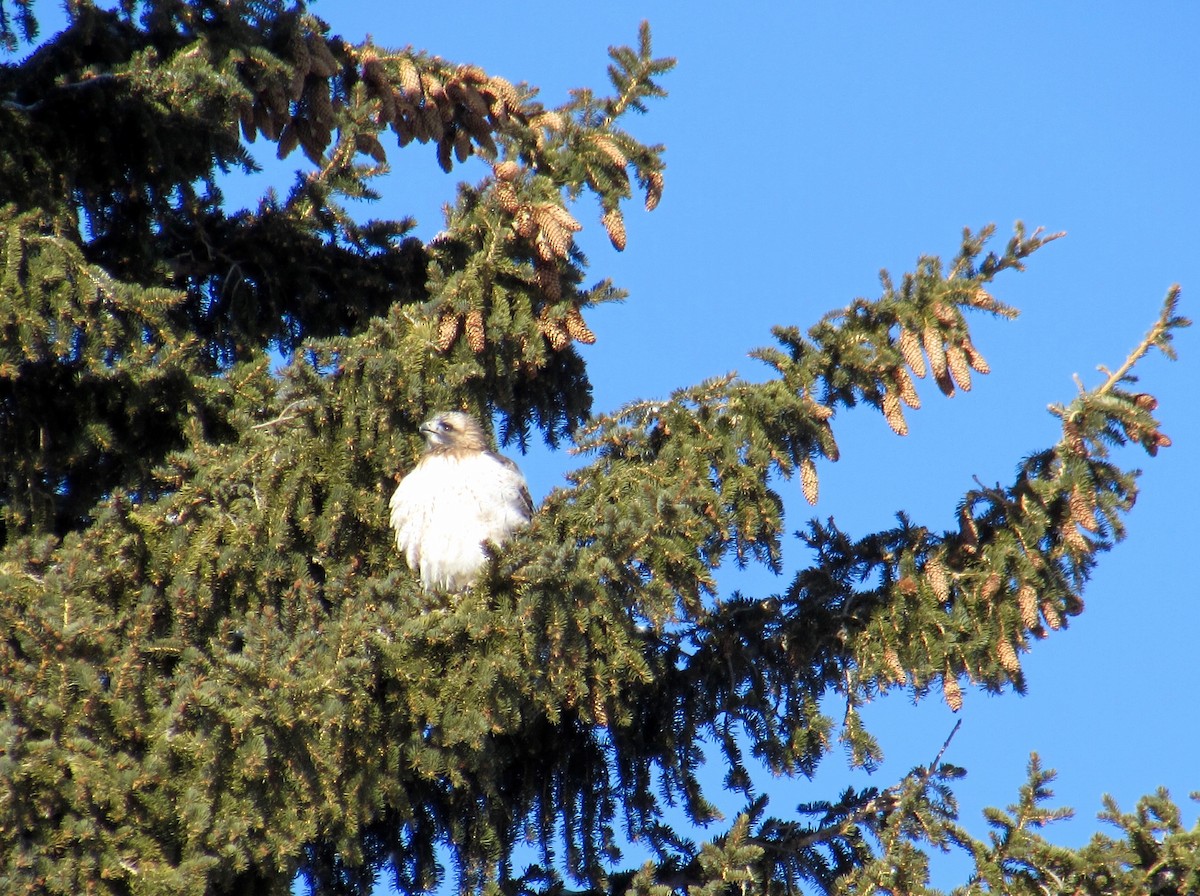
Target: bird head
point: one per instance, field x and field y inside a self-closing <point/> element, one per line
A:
<point x="453" y="429"/>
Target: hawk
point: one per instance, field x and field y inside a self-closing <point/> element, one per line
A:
<point x="459" y="497"/>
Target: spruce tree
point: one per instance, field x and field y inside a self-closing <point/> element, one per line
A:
<point x="217" y="674"/>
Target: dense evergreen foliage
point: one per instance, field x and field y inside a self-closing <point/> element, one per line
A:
<point x="216" y="672"/>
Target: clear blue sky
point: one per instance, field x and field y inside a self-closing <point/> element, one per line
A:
<point x="809" y="145"/>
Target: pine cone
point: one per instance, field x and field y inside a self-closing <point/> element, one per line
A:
<point x="479" y="130"/>
<point x="373" y="76"/>
<point x="561" y="216"/>
<point x="1145" y="401"/>
<point x="474" y="330"/>
<point x="323" y="62"/>
<point x="431" y="122"/>
<point x="975" y="359"/>
<point x="460" y="91"/>
<point x="892" y="413"/>
<point x="263" y="122"/>
<point x="556" y="226"/>
<point x="472" y="74"/>
<point x="609" y="148"/>
<point x="952" y="691"/>
<point x="908" y="391"/>
<point x="956" y="360"/>
<point x="545" y="249"/>
<point x="808" y="479"/>
<point x="1027" y="603"/>
<point x="277" y="101"/>
<point x="506" y="197"/>
<point x="546" y="276"/>
<point x="368" y="144"/>
<point x="524" y="224"/>
<point x="944" y="382"/>
<point x="980" y="298"/>
<point x="410" y="80"/>
<point x="314" y="138"/>
<point x="1052" y="616"/>
<point x="1007" y="656"/>
<point x="508" y="101"/>
<point x="577" y="329"/>
<point x="654" y="190"/>
<point x="931" y="339"/>
<point x="443" y="154"/>
<point x="432" y="88"/>
<point x="1083" y="509"/>
<point x="548" y="120"/>
<point x="828" y="443"/>
<point x="507" y="170"/>
<point x="301" y="62"/>
<point x="554" y="330"/>
<point x="1074" y="438"/>
<point x="968" y="530"/>
<point x="407" y="123"/>
<point x="892" y="660"/>
<point x="910" y="348"/>
<point x="991" y="587"/>
<point x="945" y="314"/>
<point x="939" y="579"/>
<point x="1075" y="540"/>
<point x="820" y="411"/>
<point x="448" y="325"/>
<point x="614" y="223"/>
<point x="462" y="145"/>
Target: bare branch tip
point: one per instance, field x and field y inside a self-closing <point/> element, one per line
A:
<point x="937" y="760"/>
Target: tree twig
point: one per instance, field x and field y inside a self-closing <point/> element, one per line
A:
<point x="1162" y="325"/>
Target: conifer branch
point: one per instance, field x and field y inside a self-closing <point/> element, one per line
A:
<point x="632" y="75"/>
<point x="787" y="853"/>
<point x="1159" y="336"/>
<point x="937" y="760"/>
<point x="286" y="415"/>
<point x="90" y="82"/>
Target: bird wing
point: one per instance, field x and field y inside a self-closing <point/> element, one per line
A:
<point x="524" y="501"/>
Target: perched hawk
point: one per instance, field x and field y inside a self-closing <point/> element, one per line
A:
<point x="459" y="496"/>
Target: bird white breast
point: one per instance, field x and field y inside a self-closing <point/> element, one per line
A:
<point x="448" y="507"/>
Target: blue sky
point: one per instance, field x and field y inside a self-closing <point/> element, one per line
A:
<point x="810" y="145"/>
